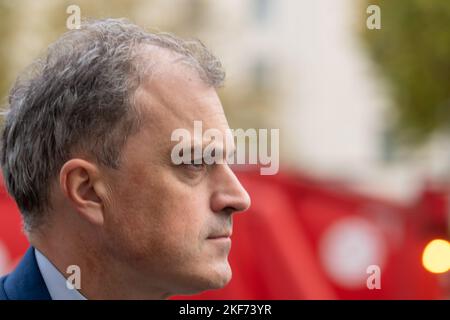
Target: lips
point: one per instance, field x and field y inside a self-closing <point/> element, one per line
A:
<point x="223" y="235"/>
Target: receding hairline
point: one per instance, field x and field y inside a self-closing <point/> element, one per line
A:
<point x="151" y="57"/>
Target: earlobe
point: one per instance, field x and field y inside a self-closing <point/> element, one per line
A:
<point x="79" y="181"/>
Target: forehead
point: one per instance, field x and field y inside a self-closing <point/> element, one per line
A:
<point x="172" y="95"/>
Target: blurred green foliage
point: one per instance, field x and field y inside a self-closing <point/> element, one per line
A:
<point x="412" y="51"/>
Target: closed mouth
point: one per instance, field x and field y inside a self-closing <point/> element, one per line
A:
<point x="226" y="235"/>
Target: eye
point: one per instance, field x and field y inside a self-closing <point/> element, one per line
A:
<point x="196" y="166"/>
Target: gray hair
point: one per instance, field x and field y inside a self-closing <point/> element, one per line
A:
<point x="80" y="97"/>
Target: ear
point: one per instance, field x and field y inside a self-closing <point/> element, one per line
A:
<point x="81" y="183"/>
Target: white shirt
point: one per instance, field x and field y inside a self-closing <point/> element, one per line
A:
<point x="55" y="281"/>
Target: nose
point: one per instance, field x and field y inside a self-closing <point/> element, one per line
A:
<point x="229" y="195"/>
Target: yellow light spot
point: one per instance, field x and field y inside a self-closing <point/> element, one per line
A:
<point x="436" y="256"/>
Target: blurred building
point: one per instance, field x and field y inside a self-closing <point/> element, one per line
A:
<point x="325" y="94"/>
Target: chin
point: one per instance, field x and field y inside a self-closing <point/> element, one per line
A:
<point x="221" y="280"/>
<point x="216" y="277"/>
<point x="220" y="275"/>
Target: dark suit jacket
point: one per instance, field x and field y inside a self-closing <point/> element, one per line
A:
<point x="25" y="282"/>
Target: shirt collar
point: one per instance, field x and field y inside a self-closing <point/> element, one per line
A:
<point x="55" y="281"/>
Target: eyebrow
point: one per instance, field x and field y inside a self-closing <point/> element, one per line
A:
<point x="216" y="148"/>
<point x="231" y="152"/>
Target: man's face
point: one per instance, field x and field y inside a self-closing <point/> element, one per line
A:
<point x="169" y="223"/>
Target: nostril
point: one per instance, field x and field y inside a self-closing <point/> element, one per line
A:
<point x="229" y="195"/>
<point x="241" y="202"/>
<point x="229" y="210"/>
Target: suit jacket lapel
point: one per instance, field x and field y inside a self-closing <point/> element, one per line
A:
<point x="26" y="282"/>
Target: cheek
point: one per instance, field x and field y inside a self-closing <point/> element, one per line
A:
<point x="181" y="218"/>
<point x="160" y="216"/>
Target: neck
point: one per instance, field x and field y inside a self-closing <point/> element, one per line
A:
<point x="102" y="276"/>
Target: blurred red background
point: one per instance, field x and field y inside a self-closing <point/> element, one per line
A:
<point x="309" y="239"/>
